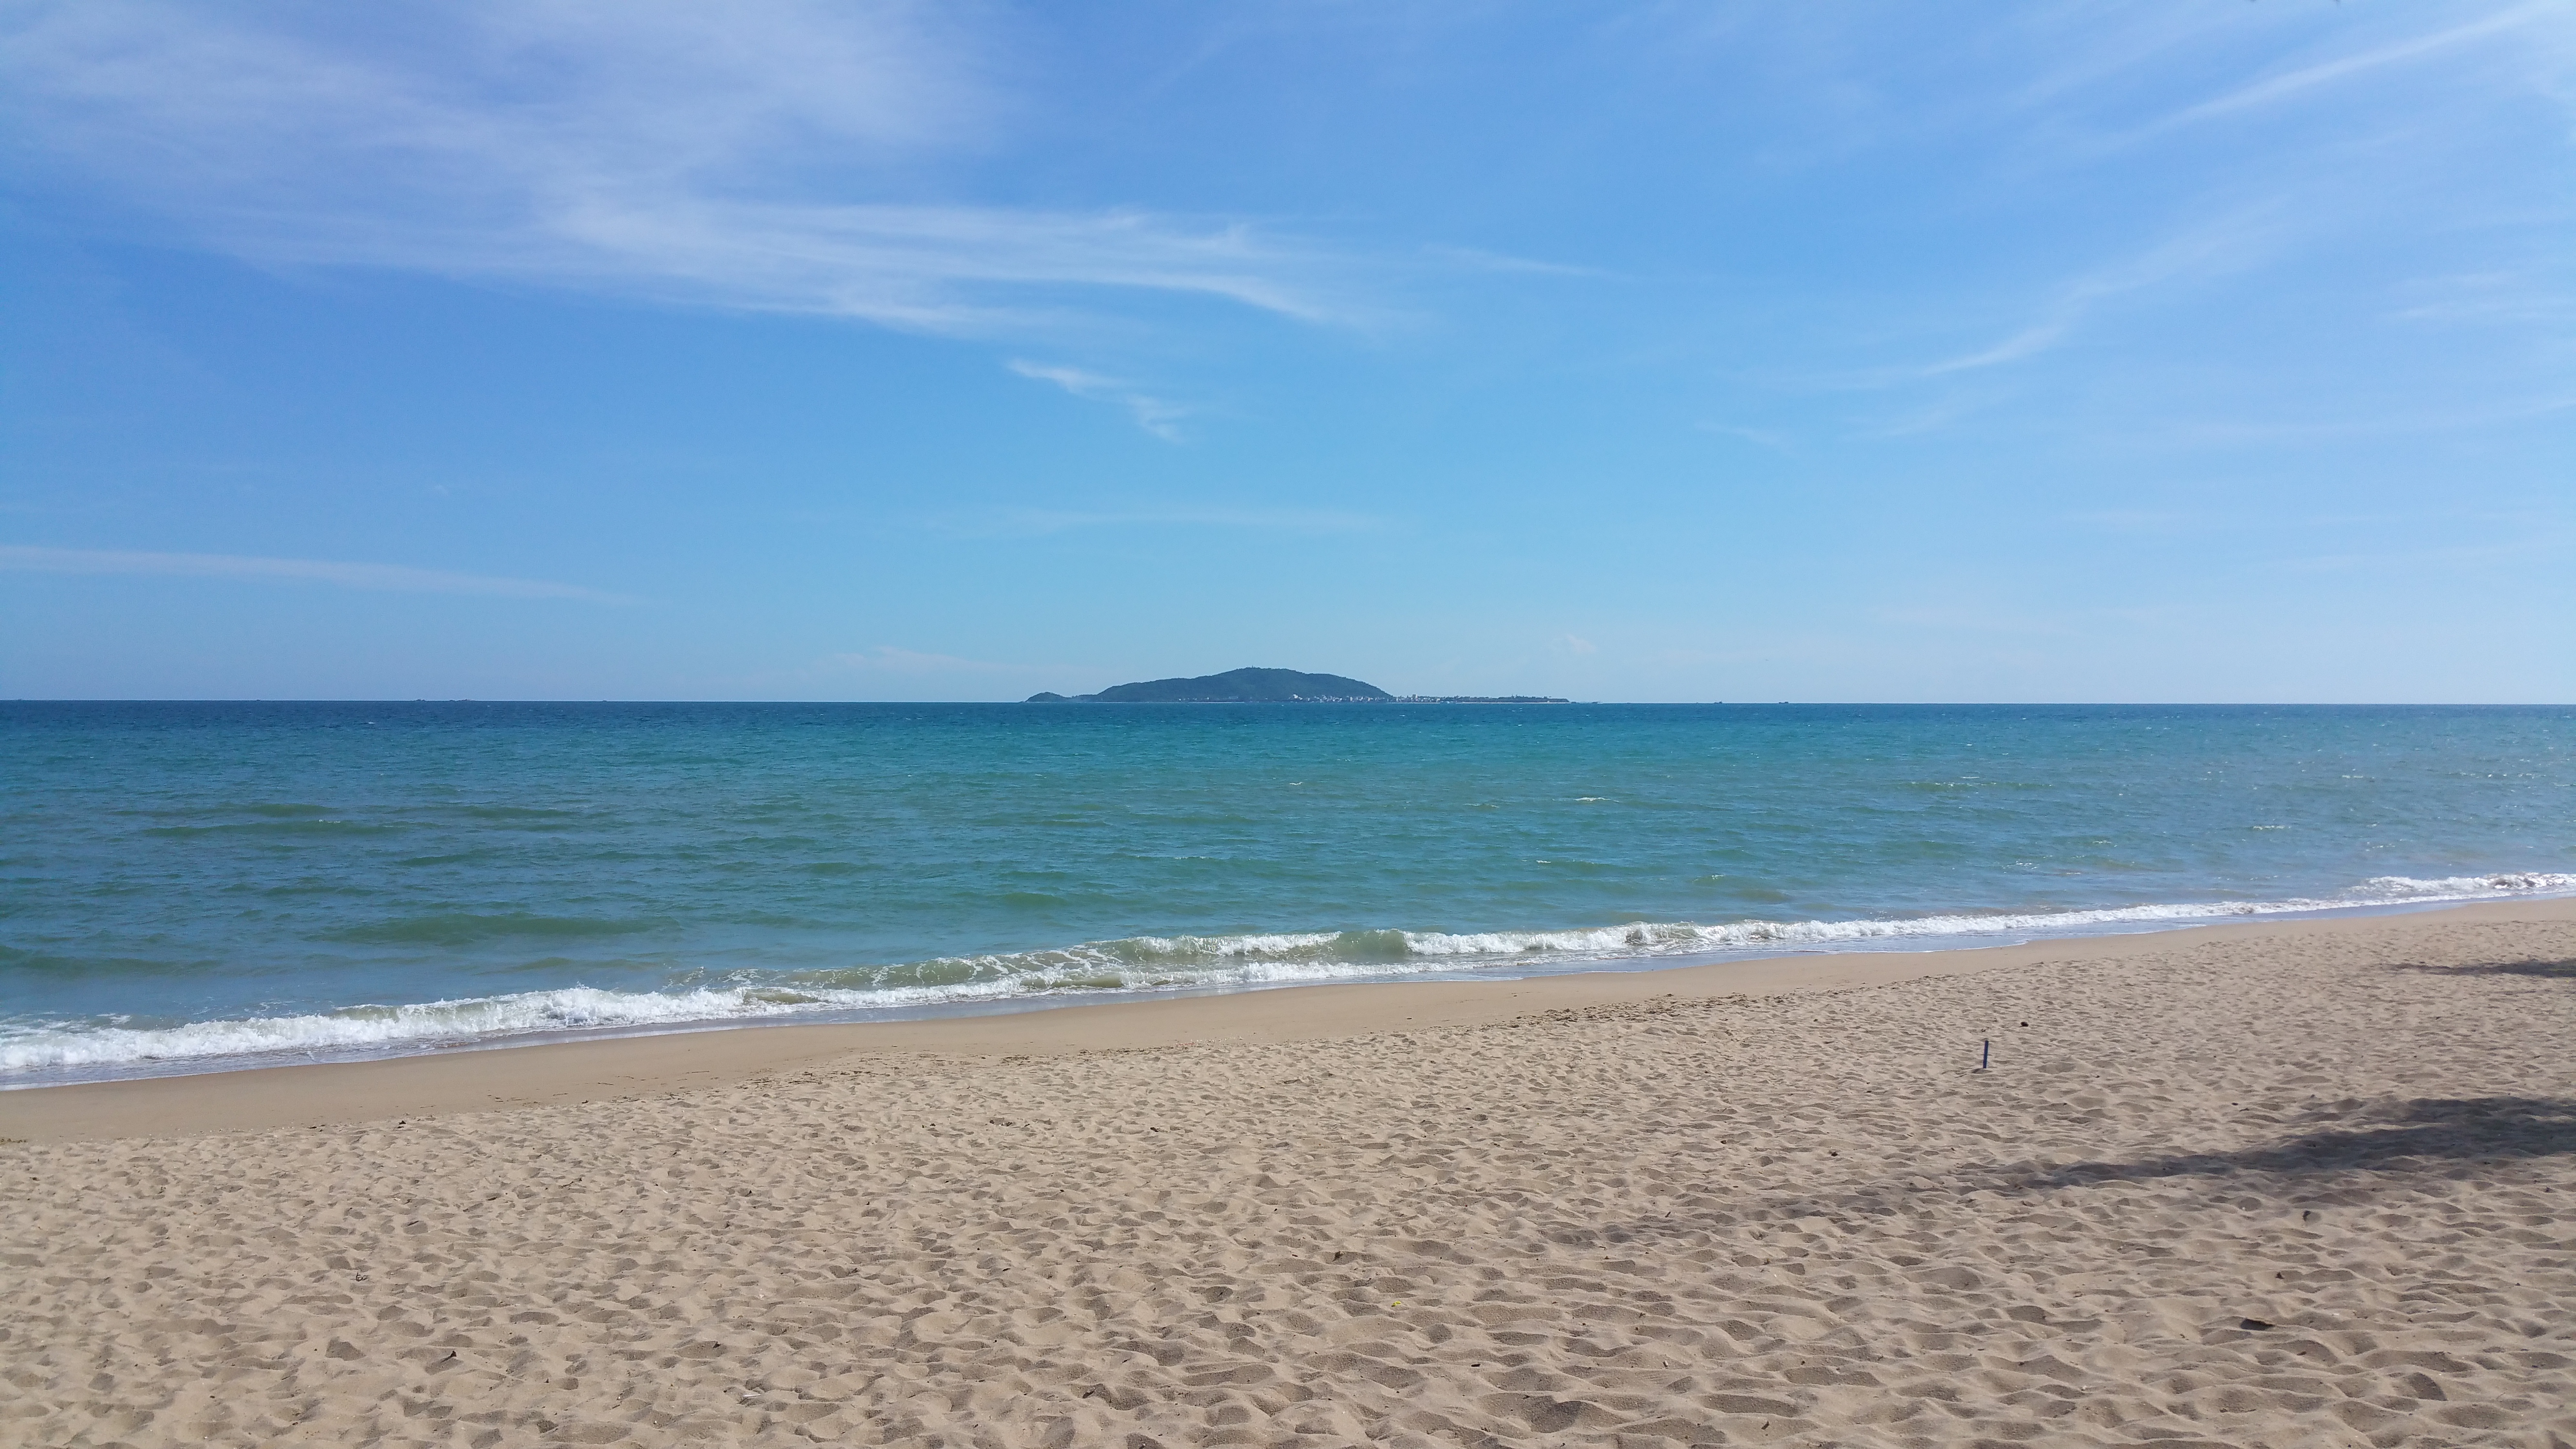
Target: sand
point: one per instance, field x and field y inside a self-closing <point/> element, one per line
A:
<point x="2287" y="1184"/>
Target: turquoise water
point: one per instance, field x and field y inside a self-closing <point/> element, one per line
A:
<point x="205" y="885"/>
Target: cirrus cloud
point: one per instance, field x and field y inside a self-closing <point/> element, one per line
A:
<point x="396" y="578"/>
<point x="760" y="157"/>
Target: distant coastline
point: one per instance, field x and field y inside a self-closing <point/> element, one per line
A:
<point x="1271" y="686"/>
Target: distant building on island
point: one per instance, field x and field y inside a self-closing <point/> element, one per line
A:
<point x="1270" y="686"/>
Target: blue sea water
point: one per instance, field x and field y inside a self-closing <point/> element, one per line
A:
<point x="199" y="885"/>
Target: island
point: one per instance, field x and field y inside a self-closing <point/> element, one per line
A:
<point x="1269" y="686"/>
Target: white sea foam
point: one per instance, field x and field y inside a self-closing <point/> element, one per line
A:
<point x="1142" y="963"/>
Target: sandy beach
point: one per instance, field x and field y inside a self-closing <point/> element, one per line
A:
<point x="2282" y="1184"/>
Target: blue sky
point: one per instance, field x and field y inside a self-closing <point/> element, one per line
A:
<point x="2160" y="351"/>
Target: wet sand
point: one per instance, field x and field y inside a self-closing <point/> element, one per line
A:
<point x="2284" y="1183"/>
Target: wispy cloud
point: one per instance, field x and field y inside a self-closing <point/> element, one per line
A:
<point x="2219" y="245"/>
<point x="2515" y="296"/>
<point x="394" y="578"/>
<point x="1759" y="437"/>
<point x="2286" y="84"/>
<point x="2028" y="342"/>
<point x="1153" y="414"/>
<point x="1476" y="259"/>
<point x="765" y="156"/>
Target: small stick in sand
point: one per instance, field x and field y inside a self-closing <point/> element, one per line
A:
<point x="1986" y="1054"/>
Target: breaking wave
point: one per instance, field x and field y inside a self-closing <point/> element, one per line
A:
<point x="48" y="1049"/>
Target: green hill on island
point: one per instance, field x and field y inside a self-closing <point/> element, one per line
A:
<point x="1235" y="686"/>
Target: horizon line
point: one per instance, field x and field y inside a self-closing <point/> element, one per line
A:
<point x="1397" y="699"/>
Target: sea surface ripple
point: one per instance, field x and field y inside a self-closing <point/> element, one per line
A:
<point x="188" y="886"/>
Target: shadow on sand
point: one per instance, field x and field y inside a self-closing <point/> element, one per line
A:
<point x="2560" y="970"/>
<point x="2422" y="1136"/>
<point x="2410" y="1137"/>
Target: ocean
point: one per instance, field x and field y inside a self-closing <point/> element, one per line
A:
<point x="200" y="886"/>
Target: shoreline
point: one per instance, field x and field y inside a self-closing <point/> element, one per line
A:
<point x="626" y="1067"/>
<point x="324" y="1036"/>
<point x="2301" y="1184"/>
